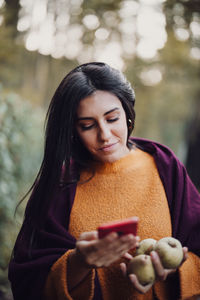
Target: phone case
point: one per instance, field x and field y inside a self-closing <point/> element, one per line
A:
<point x="121" y="227"/>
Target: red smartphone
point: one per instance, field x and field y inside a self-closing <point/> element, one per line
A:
<point x="121" y="227"/>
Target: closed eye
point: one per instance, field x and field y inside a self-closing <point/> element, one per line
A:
<point x="86" y="127"/>
<point x="113" y="120"/>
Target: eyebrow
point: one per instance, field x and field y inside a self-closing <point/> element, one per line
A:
<point x="106" y="113"/>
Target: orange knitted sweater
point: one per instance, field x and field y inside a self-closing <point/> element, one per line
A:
<point x="128" y="187"/>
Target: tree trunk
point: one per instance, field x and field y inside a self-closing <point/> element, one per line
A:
<point x="12" y="8"/>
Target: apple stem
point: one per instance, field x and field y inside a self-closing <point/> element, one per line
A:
<point x="173" y="245"/>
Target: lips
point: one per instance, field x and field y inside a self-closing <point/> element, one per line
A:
<point x="108" y="147"/>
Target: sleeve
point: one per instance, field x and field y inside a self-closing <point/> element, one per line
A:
<point x="56" y="286"/>
<point x="184" y="284"/>
<point x="186" y="212"/>
<point x="29" y="267"/>
<point x="184" y="204"/>
<point x="189" y="274"/>
<point x="183" y="199"/>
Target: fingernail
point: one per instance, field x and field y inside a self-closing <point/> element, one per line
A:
<point x="132" y="278"/>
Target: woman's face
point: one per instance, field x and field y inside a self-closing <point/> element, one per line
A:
<point x="102" y="127"/>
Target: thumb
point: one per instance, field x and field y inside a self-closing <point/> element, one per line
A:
<point x="88" y="236"/>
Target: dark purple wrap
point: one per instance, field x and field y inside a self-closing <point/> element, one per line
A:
<point x="28" y="272"/>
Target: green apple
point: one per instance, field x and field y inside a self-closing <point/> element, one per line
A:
<point x="146" y="246"/>
<point x="170" y="252"/>
<point x="141" y="265"/>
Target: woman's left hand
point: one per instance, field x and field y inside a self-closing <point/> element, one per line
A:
<point x="161" y="273"/>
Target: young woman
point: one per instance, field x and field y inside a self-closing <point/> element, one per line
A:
<point x="94" y="172"/>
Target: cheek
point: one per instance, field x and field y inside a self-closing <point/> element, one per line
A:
<point x="122" y="130"/>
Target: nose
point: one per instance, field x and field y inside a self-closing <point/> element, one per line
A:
<point x="104" y="132"/>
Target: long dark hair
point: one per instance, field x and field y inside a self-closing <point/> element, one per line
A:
<point x="62" y="145"/>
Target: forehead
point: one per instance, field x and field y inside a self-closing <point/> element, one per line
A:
<point x="98" y="103"/>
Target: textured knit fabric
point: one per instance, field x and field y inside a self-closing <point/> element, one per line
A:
<point x="29" y="268"/>
<point x="190" y="277"/>
<point x="56" y="285"/>
<point x="129" y="187"/>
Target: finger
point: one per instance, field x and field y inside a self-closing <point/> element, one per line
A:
<point x="126" y="242"/>
<point x="160" y="271"/>
<point x="123" y="268"/>
<point x="185" y="253"/>
<point x="107" y="243"/>
<point x="103" y="261"/>
<point x="106" y="251"/>
<point x="139" y="287"/>
<point x="128" y="256"/>
<point x="170" y="271"/>
<point x="110" y="238"/>
<point x="96" y="251"/>
<point x="88" y="236"/>
<point x="107" y="257"/>
<point x="117" y="249"/>
<point x="88" y="249"/>
<point x="130" y="237"/>
<point x="121" y="249"/>
<point x="84" y="244"/>
<point x="111" y="244"/>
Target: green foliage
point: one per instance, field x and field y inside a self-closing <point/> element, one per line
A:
<point x="20" y="156"/>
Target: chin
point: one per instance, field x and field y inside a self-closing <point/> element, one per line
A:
<point x="109" y="158"/>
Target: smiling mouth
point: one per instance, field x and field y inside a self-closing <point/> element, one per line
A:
<point x="108" y="147"/>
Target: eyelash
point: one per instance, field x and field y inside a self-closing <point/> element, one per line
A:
<point x="84" y="128"/>
<point x="112" y="120"/>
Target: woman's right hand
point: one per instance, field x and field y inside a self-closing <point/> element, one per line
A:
<point x="91" y="252"/>
<point x="161" y="273"/>
<point x="94" y="252"/>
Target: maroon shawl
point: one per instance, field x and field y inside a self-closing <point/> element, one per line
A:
<point x="28" y="271"/>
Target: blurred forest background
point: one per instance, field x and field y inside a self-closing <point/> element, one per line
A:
<point x="155" y="43"/>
